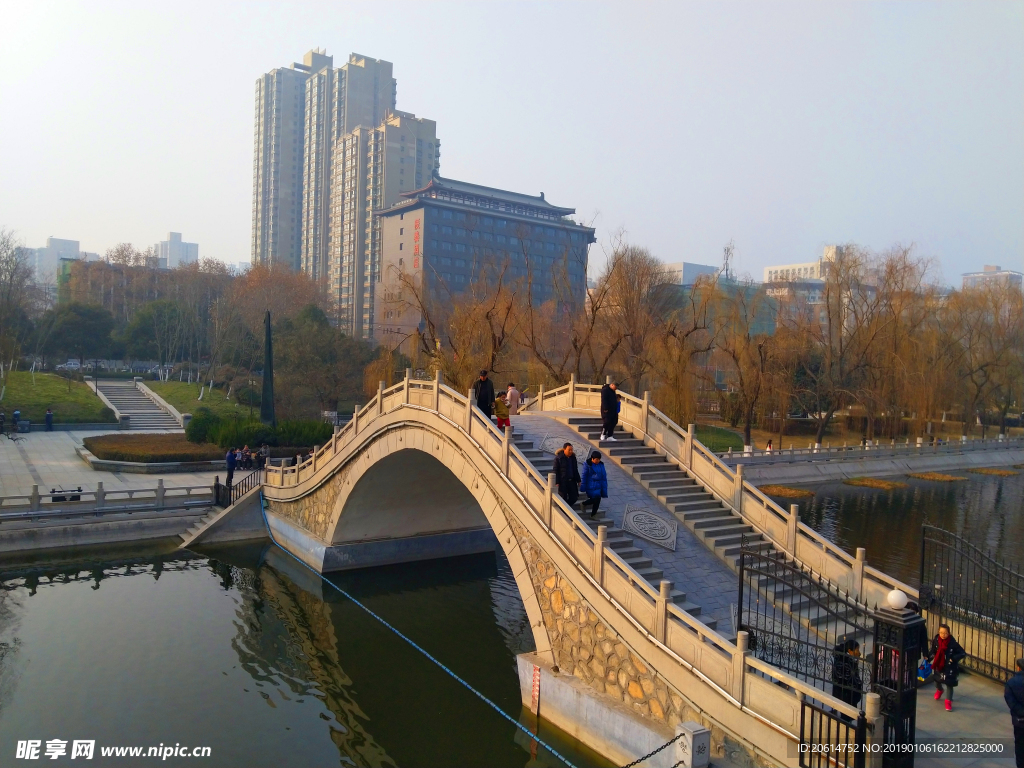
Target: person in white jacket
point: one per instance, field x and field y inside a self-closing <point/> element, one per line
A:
<point x="515" y="398"/>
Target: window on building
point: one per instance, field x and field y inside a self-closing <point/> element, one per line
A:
<point x="501" y="238"/>
<point x="433" y="243"/>
<point x="460" y="232"/>
<point x="513" y="240"/>
<point x="550" y="246"/>
<point x="488" y="220"/>
<point x="460" y="262"/>
<point x="461" y="217"/>
<point x="446" y="246"/>
<point x="460" y="248"/>
<point x="460" y="278"/>
<point x="433" y="228"/>
<point x="445" y="261"/>
<point x="446" y="214"/>
<point x="550" y="232"/>
<point x="446" y="230"/>
<point x="446" y="276"/>
<point x="401" y="230"/>
<point x="401" y="246"/>
<point x="501" y="223"/>
<point x="476" y="235"/>
<point x="488" y="237"/>
<point x="538" y="230"/>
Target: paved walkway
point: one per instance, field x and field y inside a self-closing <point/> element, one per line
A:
<point x="48" y="459"/>
<point x="692" y="568"/>
<point x="979" y="713"/>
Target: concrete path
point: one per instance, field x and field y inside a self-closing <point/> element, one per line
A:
<point x="979" y="713"/>
<point x="692" y="568"/>
<point x="48" y="459"/>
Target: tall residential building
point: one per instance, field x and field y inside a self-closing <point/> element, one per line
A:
<point x="277" y="163"/>
<point x="687" y="273"/>
<point x="174" y="252"/>
<point x="372" y="167"/>
<point x="359" y="93"/>
<point x="445" y="236"/>
<point x="810" y="270"/>
<point x="993" y="275"/>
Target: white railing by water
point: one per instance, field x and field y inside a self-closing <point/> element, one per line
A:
<point x="99" y="501"/>
<point x="878" y="450"/>
<point x="756" y="687"/>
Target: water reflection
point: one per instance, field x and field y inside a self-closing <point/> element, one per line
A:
<point x="987" y="510"/>
<point x="240" y="649"/>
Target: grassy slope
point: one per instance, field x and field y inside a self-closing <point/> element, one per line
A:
<point x="184" y="397"/>
<point x="718" y="439"/>
<point x="80" y="405"/>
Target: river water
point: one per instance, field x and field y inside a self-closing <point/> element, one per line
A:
<point x="241" y="650"/>
<point x="986" y="510"/>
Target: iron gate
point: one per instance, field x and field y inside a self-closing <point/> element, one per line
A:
<point x="830" y="741"/>
<point x="801" y="624"/>
<point x="980" y="598"/>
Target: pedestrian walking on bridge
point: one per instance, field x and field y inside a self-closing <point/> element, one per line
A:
<point x="567" y="474"/>
<point x="609" y="411"/>
<point x="595" y="482"/>
<point x="483" y="391"/>
<point x="230" y="461"/>
<point x="946" y="655"/>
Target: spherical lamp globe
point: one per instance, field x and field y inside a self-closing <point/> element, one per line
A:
<point x="897" y="599"/>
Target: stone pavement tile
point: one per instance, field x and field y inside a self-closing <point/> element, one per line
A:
<point x="694" y="569"/>
<point x="979" y="712"/>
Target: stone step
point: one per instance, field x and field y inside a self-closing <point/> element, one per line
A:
<point x="639" y="562"/>
<point x="647" y="460"/>
<point x="651" y="575"/>
<point x="726" y="518"/>
<point x="691" y="494"/>
<point x="629" y="450"/>
<point x="670" y="483"/>
<point x="737" y="528"/>
<point x="700" y="514"/>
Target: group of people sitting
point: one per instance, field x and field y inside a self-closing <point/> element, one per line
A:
<point x="246" y="458"/>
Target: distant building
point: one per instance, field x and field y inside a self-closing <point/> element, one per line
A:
<point x="301" y="111"/>
<point x="994" y="276"/>
<point x="810" y="270"/>
<point x="373" y="168"/>
<point x="174" y="252"/>
<point x="46" y="260"/>
<point x="442" y="235"/>
<point x="685" y="273"/>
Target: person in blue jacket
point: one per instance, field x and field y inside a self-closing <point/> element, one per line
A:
<point x="595" y="482"/>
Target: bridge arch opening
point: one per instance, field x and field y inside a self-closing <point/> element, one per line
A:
<point x="409" y="494"/>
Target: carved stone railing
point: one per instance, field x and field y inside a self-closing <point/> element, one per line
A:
<point x="847" y="573"/>
<point x="763" y="691"/>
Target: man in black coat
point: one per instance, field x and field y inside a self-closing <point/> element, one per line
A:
<point x="609" y="411"/>
<point x="483" y="390"/>
<point x="1013" y="694"/>
<point x="567" y="474"/>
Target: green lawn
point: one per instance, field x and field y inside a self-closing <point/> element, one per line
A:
<point x="185" y="397"/>
<point x="718" y="439"/>
<point x="80" y="405"/>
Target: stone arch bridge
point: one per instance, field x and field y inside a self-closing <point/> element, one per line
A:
<point x="451" y="480"/>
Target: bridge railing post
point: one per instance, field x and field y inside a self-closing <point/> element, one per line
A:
<point x="100" y="495"/>
<point x="334" y="440"/>
<point x="688" y="454"/>
<point x="572" y="390"/>
<point x="597" y="566"/>
<point x="857" y="588"/>
<point x="380" y="398"/>
<point x="506" y="442"/>
<point x="738" y="494"/>
<point x="469" y="412"/>
<point x="549" y="493"/>
<point x="355" y="420"/>
<point x="661" y="610"/>
<point x="33" y="501"/>
<point x="876" y="729"/>
<point x="645" y="411"/>
<point x="437" y="390"/>
<point x="408" y="385"/>
<point x="160" y="491"/>
<point x="540" y="397"/>
<point x="792" y="528"/>
<point x="739" y="665"/>
<point x="315" y="449"/>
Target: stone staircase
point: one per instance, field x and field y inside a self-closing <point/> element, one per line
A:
<point x="720" y="528"/>
<point x="199" y="526"/>
<point x="131" y="402"/>
<point x="617" y="539"/>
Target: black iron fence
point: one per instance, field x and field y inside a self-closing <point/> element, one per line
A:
<point x="800" y="623"/>
<point x="981" y="599"/>
<point x="828" y="740"/>
<point x="226" y="495"/>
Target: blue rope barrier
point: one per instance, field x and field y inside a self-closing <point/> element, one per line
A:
<point x="422" y="650"/>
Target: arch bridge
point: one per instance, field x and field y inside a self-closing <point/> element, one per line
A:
<point x="445" y="474"/>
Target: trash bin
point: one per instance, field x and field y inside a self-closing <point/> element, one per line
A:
<point x="24" y="426"/>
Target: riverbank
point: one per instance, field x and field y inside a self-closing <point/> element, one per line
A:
<point x="809" y="470"/>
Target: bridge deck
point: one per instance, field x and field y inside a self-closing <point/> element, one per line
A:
<point x="979" y="713"/>
<point x="692" y="568"/>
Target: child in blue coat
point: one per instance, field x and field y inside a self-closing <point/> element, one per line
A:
<point x="595" y="482"/>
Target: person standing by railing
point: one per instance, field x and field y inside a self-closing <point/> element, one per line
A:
<point x="609" y="411"/>
<point x="514" y="398"/>
<point x="1013" y="694"/>
<point x="230" y="462"/>
<point x="483" y="391"/>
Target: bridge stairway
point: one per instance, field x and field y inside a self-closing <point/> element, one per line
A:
<point x="720" y="528"/>
<point x="198" y="527"/>
<point x="618" y="539"/>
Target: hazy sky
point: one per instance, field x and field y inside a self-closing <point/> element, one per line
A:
<point x="784" y="126"/>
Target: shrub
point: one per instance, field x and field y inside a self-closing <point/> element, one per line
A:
<point x="236" y="433"/>
<point x="203" y="423"/>
<point x="247" y="395"/>
<point x="107" y="414"/>
<point x="305" y="433"/>
<point x="150" y="448"/>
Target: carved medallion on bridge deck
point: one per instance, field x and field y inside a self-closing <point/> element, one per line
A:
<point x="647" y="525"/>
